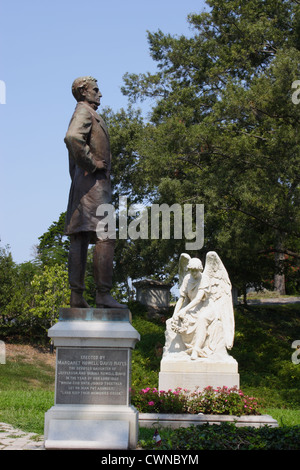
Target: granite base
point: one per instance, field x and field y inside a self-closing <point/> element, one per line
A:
<point x="93" y="366"/>
<point x="198" y="374"/>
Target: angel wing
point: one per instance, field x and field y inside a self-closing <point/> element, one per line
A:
<point x="220" y="294"/>
<point x="182" y="269"/>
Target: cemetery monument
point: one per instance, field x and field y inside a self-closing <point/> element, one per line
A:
<point x="92" y="407"/>
<point x="88" y="144"/>
<point x="201" y="330"/>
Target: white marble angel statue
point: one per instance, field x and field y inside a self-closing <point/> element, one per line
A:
<point x="202" y="325"/>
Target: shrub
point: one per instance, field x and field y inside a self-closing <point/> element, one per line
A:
<point x="227" y="436"/>
<point x="222" y="400"/>
<point x="150" y="400"/>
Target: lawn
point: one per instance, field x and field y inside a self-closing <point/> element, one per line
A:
<point x="263" y="340"/>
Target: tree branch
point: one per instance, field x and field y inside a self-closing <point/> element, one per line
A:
<point x="275" y="250"/>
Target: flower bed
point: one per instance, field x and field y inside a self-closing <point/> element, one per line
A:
<point x="210" y="401"/>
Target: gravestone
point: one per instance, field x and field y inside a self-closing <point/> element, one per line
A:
<point x="201" y="330"/>
<point x="153" y="294"/>
<point x="92" y="407"/>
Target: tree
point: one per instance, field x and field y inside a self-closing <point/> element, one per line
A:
<point x="54" y="245"/>
<point x="133" y="258"/>
<point x="224" y="130"/>
<point x="125" y="127"/>
<point x="7" y="280"/>
<point x="50" y="292"/>
<point x="16" y="295"/>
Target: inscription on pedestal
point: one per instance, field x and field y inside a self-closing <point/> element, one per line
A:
<point x="95" y="376"/>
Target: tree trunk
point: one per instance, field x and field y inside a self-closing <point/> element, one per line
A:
<point x="245" y="294"/>
<point x="279" y="277"/>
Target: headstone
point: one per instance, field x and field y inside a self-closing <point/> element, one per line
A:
<point x="153" y="294"/>
<point x="201" y="329"/>
<point x="92" y="407"/>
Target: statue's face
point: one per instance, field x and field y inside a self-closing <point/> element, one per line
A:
<point x="196" y="273"/>
<point x="92" y="94"/>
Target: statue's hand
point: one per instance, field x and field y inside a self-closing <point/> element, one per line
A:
<point x="101" y="165"/>
<point x="179" y="322"/>
<point x="177" y="316"/>
<point x="181" y="313"/>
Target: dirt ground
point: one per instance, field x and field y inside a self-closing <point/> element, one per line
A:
<point x="27" y="353"/>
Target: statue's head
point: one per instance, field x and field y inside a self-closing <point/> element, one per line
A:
<point x="195" y="267"/>
<point x="86" y="89"/>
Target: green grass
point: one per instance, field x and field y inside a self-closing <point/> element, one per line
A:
<point x="26" y="393"/>
<point x="26" y="409"/>
<point x="25" y="376"/>
<point x="264" y="335"/>
<point x="285" y="417"/>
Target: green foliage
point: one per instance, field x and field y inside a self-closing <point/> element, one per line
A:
<point x="133" y="258"/>
<point x="54" y="245"/>
<point x="151" y="400"/>
<point x="51" y="291"/>
<point x="262" y="348"/>
<point x="32" y="295"/>
<point x="225" y="436"/>
<point x="7" y="277"/>
<point x="16" y="295"/>
<point x="125" y="128"/>
<point x="147" y="354"/>
<point x="223" y="400"/>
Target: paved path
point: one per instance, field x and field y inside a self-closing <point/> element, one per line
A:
<point x="274" y="300"/>
<point x="15" y="439"/>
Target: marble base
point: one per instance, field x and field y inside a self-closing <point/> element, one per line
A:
<point x="93" y="366"/>
<point x="81" y="427"/>
<point x="191" y="375"/>
<point x="174" y="421"/>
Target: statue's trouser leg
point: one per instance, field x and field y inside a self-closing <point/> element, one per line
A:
<point x="103" y="273"/>
<point x="103" y="264"/>
<point x="79" y="243"/>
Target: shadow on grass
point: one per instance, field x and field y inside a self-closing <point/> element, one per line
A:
<point x="263" y="349"/>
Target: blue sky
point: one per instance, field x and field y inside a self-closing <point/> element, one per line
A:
<point x="44" y="46"/>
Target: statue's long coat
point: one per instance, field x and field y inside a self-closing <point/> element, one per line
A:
<point x="87" y="140"/>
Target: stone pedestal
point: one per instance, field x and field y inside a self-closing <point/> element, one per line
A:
<point x="191" y="375"/>
<point x="93" y="361"/>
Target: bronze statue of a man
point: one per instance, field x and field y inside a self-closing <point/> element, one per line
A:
<point x="88" y="144"/>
